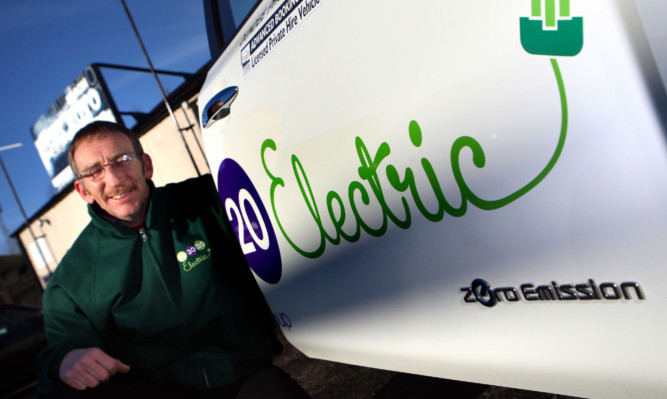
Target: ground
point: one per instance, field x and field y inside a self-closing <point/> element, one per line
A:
<point x="330" y="380"/>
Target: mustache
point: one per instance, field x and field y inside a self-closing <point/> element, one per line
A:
<point x="119" y="190"/>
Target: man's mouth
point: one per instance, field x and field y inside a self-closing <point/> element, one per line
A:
<point x="121" y="195"/>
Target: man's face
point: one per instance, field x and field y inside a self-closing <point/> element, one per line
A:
<point x="121" y="192"/>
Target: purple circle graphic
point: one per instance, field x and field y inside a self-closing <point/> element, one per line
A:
<point x="250" y="221"/>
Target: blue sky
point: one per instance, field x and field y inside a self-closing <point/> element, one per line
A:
<point x="46" y="44"/>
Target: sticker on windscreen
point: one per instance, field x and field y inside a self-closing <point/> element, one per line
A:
<point x="250" y="221"/>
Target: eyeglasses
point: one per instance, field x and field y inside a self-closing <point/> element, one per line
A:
<point x="96" y="173"/>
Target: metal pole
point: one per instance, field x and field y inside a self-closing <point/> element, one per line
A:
<point x="18" y="202"/>
<point x="138" y="69"/>
<point x="185" y="106"/>
<point x="40" y="224"/>
<point x="159" y="85"/>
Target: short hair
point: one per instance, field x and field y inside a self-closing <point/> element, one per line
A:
<point x="96" y="129"/>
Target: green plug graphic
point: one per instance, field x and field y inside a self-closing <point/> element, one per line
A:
<point x="552" y="31"/>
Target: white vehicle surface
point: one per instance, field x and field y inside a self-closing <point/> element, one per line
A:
<point x="472" y="190"/>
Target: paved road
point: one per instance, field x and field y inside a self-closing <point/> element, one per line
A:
<point x="329" y="380"/>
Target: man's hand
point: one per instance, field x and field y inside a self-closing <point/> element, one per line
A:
<point x="86" y="368"/>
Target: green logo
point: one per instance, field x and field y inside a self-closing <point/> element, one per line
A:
<point x="550" y="30"/>
<point x="402" y="182"/>
<point x="193" y="255"/>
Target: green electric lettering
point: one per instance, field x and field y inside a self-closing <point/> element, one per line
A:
<point x="550" y="30"/>
<point x="402" y="183"/>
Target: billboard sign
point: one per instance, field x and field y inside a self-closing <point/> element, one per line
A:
<point x="85" y="100"/>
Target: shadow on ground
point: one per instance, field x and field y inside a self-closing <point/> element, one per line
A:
<point x="329" y="380"/>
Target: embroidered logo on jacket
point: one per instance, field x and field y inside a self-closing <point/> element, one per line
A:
<point x="193" y="255"/>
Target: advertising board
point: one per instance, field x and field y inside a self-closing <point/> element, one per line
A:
<point x="83" y="101"/>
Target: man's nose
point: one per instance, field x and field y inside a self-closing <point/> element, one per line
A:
<point x="111" y="175"/>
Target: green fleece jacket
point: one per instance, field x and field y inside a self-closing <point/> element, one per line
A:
<point x="175" y="300"/>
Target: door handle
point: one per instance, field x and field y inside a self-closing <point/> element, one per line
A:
<point x="218" y="106"/>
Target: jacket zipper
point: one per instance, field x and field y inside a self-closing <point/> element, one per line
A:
<point x="149" y="248"/>
<point x="144" y="238"/>
<point x="203" y="371"/>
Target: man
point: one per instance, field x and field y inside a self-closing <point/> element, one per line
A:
<point x="154" y="297"/>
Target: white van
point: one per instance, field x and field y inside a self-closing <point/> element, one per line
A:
<point x="472" y="190"/>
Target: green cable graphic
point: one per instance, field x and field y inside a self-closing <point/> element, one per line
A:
<point x="551" y="35"/>
<point x="358" y="194"/>
<point x="479" y="158"/>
